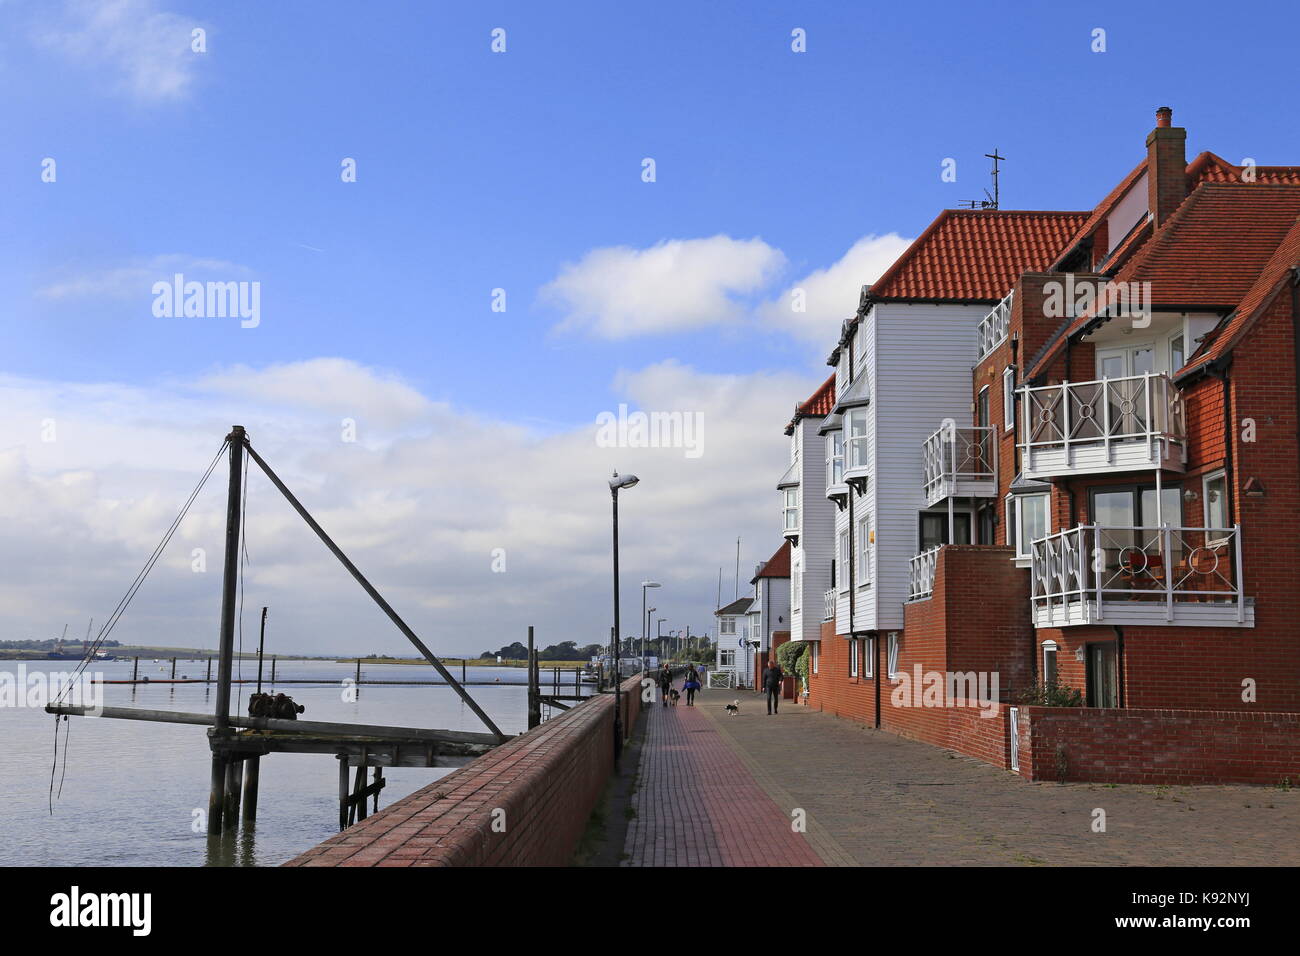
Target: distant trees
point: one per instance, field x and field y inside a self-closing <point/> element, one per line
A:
<point x="564" y="651"/>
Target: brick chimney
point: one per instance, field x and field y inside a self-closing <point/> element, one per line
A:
<point x="1166" y="166"/>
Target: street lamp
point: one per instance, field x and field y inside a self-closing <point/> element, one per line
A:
<point x="617" y="484"/>
<point x="645" y="617"/>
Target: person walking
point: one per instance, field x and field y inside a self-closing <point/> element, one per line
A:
<point x="665" y="683"/>
<point x="691" y="685"/>
<point x="772" y="677"/>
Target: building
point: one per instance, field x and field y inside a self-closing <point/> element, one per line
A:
<point x="1106" y="501"/>
<point x="732" y="652"/>
<point x="768" y="626"/>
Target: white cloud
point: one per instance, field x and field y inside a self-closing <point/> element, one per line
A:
<point x="136" y="278"/>
<point x="419" y="506"/>
<point x="675" y="285"/>
<point x="146" y="51"/>
<point x="831" y="295"/>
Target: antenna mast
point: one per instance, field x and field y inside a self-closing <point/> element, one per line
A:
<point x="993" y="201"/>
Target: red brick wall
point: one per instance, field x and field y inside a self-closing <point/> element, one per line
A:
<point x="832" y="690"/>
<point x="1159" y="746"/>
<point x="546" y="783"/>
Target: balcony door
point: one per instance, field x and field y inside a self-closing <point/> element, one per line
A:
<point x="1127" y="361"/>
<point x="1128" y="536"/>
<point x="934" y="529"/>
<point x="1103" y="675"/>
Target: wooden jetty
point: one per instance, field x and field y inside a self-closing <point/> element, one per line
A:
<point x="238" y="743"/>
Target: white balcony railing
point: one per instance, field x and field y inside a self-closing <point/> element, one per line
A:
<point x="993" y="328"/>
<point x="959" y="462"/>
<point x="1121" y="575"/>
<point x="922" y="576"/>
<point x="828" y="605"/>
<point x="1108" y="425"/>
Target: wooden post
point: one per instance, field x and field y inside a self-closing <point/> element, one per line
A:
<point x="534" y="705"/>
<point x="358" y="680"/>
<point x="343" y="791"/>
<point x="462" y="670"/>
<point x="379" y="780"/>
<point x="359" y="794"/>
<point x="250" y="790"/>
<point x="272" y="670"/>
<point x="173" y="668"/>
<point x="135" y="670"/>
<point x="208" y="678"/>
<point x="234" y="786"/>
<point x="230" y="573"/>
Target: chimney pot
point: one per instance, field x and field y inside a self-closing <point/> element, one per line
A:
<point x="1164" y="117"/>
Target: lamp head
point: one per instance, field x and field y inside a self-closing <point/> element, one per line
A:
<point x="620" y="482"/>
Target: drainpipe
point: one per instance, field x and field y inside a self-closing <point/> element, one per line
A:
<point x="851" y="576"/>
<point x="875" y="643"/>
<point x="1119" y="663"/>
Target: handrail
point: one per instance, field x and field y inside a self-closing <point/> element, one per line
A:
<point x="922" y="574"/>
<point x="1104" y="411"/>
<point x="956" y="454"/>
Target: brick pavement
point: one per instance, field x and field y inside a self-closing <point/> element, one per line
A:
<point x="873" y="798"/>
<point x="697" y="803"/>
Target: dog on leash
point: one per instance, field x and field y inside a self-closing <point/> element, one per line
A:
<point x="733" y="709"/>
<point x="674" y="696"/>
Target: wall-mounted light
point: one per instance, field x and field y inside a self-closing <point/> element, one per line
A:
<point x="1253" y="488"/>
<point x="1190" y="495"/>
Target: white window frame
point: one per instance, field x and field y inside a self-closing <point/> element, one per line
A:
<point x="856" y="445"/>
<point x="864" y="551"/>
<point x="842" y="564"/>
<point x="892" y="650"/>
<point x="853" y="657"/>
<point x="1015" y="522"/>
<point x="1051" y="648"/>
<point x="1008" y="400"/>
<point x="868" y="657"/>
<point x="796" y="586"/>
<point x="727" y="657"/>
<point x="1222" y="476"/>
<point x="727" y="626"/>
<point x="816" y="656"/>
<point x="790" y="508"/>
<point x="833" y="438"/>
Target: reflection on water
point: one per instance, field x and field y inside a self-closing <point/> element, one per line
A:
<point x="134" y="792"/>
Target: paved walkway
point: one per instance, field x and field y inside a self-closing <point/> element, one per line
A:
<point x="716" y="791"/>
<point x="696" y="803"/>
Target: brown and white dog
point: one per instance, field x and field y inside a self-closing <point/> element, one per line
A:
<point x="733" y="709"/>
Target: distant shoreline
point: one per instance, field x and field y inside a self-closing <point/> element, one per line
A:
<point x="192" y="654"/>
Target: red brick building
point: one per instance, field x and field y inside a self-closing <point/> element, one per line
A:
<point x="1121" y="516"/>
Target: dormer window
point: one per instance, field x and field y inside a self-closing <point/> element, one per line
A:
<point x="856" y="419"/>
<point x="791" y="510"/>
<point x="834" y="459"/>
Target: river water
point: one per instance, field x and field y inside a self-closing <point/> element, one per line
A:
<point x="131" y="789"/>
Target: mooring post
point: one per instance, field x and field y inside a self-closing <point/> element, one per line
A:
<point x="261" y="648"/>
<point x="343" y="791"/>
<point x="229" y="580"/>
<point x="272" y="670"/>
<point x="462" y="670"/>
<point x="135" y="670"/>
<point x="250" y="790"/>
<point x="534" y="705"/>
<point x="234" y="784"/>
<point x="173" y="668"/>
<point x="359" y="671"/>
<point x="208" y="678"/>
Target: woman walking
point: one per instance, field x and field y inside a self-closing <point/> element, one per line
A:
<point x="665" y="683"/>
<point x="691" y="685"/>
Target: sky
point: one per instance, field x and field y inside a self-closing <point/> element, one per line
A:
<point x="462" y="261"/>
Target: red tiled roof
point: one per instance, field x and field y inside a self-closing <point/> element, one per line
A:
<point x="1256" y="300"/>
<point x="778" y="566"/>
<point x="1209" y="253"/>
<point x="976" y="254"/>
<point x="817" y="406"/>
<point x="1207" y="167"/>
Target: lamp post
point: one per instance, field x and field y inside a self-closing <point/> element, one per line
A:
<point x="617" y="484"/>
<point x="645" y="617"/>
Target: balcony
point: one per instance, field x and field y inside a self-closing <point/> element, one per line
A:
<point x="959" y="463"/>
<point x="993" y="328"/>
<point x="1105" y="426"/>
<point x="922" y="575"/>
<point x="828" y="608"/>
<point x="1094" y="574"/>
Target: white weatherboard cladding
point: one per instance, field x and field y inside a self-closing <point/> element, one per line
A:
<point x="918" y="358"/>
<point x="816" y="539"/>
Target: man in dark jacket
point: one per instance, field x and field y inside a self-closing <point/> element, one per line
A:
<point x="772" y="677"/>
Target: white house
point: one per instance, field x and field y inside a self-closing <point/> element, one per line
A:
<point x="769" y="614"/>
<point x="733" y="631"/>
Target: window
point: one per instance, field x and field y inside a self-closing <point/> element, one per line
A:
<point x="843" y="564"/>
<point x="791" y="510"/>
<point x="982" y="407"/>
<point x="857" y="438"/>
<point x="728" y="626"/>
<point x="934" y="529"/>
<point x="853" y="657"/>
<point x="834" y="459"/>
<point x="868" y="657"/>
<point x="1137" y="507"/>
<point x="864" y="550"/>
<point x="816" y="656"/>
<point x="796" y="587"/>
<point x="893" y="647"/>
<point x="1177" y="353"/>
<point x="1049" y="661"/>
<point x="1008" y="398"/>
<point x="1026" y="521"/>
<point x="727" y="657"/>
<point x="1215" y="489"/>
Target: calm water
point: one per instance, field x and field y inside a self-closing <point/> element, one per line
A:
<point x="131" y="787"/>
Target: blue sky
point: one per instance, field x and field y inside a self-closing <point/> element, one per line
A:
<point x="479" y="170"/>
